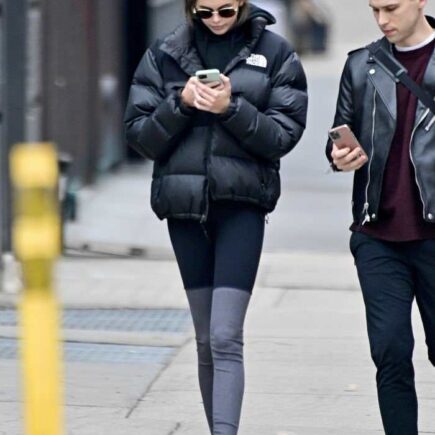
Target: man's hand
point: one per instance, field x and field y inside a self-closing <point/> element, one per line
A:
<point x="213" y="99"/>
<point x="347" y="160"/>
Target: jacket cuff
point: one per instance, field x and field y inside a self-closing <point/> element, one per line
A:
<point x="334" y="168"/>
<point x="232" y="108"/>
<point x="184" y="109"/>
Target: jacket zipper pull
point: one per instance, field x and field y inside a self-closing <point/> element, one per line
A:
<point x="266" y="218"/>
<point x="366" y="213"/>
<point x="429" y="126"/>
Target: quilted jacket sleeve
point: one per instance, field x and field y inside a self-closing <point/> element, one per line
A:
<point x="344" y="112"/>
<point x="152" y="120"/>
<point x="274" y="132"/>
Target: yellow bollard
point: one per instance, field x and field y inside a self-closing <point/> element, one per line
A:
<point x="36" y="236"/>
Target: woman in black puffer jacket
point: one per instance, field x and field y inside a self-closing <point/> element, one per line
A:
<point x="216" y="151"/>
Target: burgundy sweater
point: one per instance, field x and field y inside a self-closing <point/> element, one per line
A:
<point x="400" y="216"/>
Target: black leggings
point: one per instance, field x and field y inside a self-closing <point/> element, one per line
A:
<point x="218" y="263"/>
<point x="223" y="252"/>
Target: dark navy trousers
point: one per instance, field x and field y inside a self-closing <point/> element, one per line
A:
<point x="392" y="275"/>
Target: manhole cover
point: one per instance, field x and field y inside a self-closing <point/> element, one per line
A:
<point x="99" y="353"/>
<point x="152" y="320"/>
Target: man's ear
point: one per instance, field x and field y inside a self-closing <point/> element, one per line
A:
<point x="422" y="4"/>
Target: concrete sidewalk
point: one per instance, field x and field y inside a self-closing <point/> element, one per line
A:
<point x="308" y="369"/>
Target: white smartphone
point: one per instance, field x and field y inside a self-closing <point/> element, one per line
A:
<point x="343" y="137"/>
<point x="208" y="75"/>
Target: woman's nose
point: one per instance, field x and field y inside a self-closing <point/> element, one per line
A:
<point x="215" y="18"/>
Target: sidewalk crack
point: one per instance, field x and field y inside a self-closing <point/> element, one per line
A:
<point x="158" y="376"/>
<point x="175" y="429"/>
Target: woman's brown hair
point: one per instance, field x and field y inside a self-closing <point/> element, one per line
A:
<point x="189" y="5"/>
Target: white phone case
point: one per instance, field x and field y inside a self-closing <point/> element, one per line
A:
<point x="208" y="75"/>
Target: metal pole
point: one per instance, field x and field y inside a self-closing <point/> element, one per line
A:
<point x="36" y="239"/>
<point x="12" y="101"/>
<point x="35" y="61"/>
<point x="3" y="158"/>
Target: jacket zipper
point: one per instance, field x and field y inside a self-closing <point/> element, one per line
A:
<point x="205" y="215"/>
<point x="366" y="204"/>
<point x="431" y="123"/>
<point x="412" y="158"/>
<point x="207" y="192"/>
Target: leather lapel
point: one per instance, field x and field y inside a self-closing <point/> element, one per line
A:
<point x="428" y="84"/>
<point x="384" y="83"/>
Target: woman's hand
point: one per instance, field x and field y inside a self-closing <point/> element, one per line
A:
<point x="213" y="99"/>
<point x="188" y="93"/>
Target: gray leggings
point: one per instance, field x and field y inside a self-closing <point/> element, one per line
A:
<point x="218" y="316"/>
<point x="218" y="263"/>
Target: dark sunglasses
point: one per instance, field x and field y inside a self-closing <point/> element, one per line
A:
<point x="206" y="14"/>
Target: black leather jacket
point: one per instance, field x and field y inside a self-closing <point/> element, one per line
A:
<point x="367" y="102"/>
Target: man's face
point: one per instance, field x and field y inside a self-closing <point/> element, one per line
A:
<point x="217" y="24"/>
<point x="398" y="19"/>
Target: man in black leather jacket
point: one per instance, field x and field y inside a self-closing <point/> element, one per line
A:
<point x="393" y="233"/>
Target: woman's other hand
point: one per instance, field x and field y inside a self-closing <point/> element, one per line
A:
<point x="188" y="93"/>
<point x="214" y="99"/>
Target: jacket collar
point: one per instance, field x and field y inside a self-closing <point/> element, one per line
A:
<point x="386" y="86"/>
<point x="383" y="82"/>
<point x="429" y="76"/>
<point x="179" y="44"/>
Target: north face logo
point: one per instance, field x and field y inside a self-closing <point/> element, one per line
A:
<point x="257" y="60"/>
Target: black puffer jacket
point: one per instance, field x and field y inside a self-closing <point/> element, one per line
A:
<point x="234" y="156"/>
<point x="367" y="103"/>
